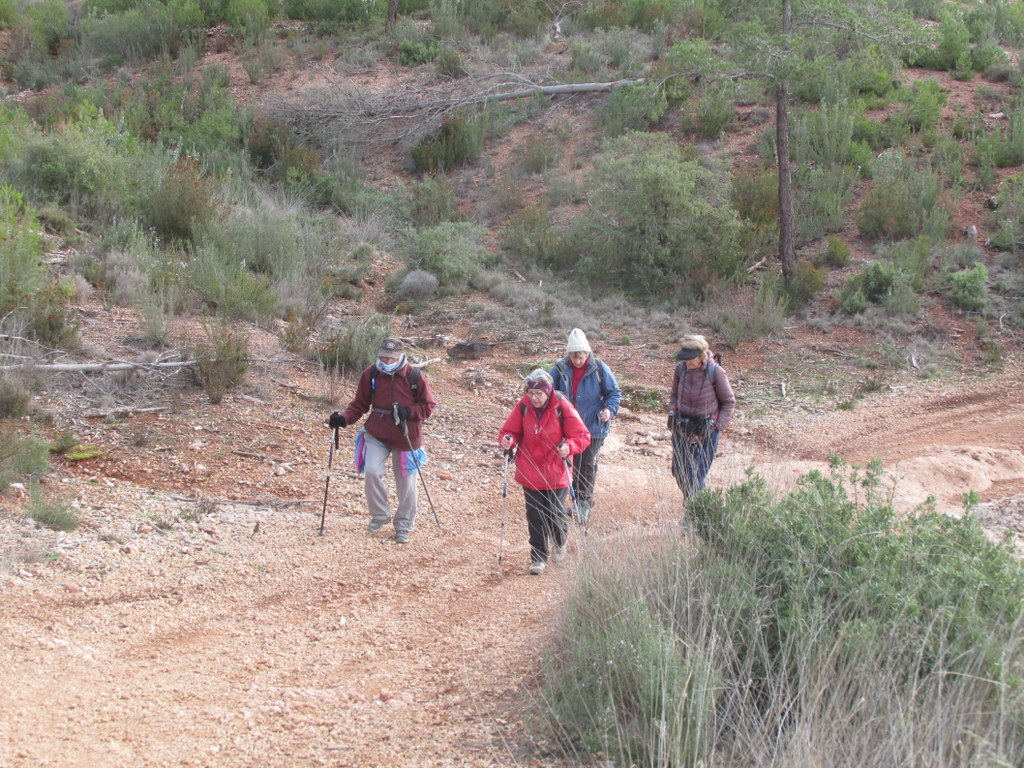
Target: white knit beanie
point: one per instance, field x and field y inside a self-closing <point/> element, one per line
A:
<point x="577" y="342"/>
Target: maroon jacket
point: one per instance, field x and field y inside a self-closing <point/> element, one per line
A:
<point x="376" y="393"/>
<point x="697" y="393"/>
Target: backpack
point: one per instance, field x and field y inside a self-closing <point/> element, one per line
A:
<point x="414" y="381"/>
<point x="558" y="411"/>
<point x="564" y="374"/>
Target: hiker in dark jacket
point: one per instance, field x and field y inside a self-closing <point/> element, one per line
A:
<point x="398" y="399"/>
<point x="701" y="405"/>
<point x="591" y="387"/>
<point x="547" y="431"/>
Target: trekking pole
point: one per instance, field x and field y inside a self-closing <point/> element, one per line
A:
<point x="504" y="495"/>
<point x="327" y="485"/>
<point x="572" y="485"/>
<point x="415" y="461"/>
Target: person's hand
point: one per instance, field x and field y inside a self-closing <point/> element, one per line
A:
<point x="563" y="450"/>
<point x="404" y="412"/>
<point x="605" y="415"/>
<point x="336" y="420"/>
<point x="671" y="420"/>
<point x="506" y="442"/>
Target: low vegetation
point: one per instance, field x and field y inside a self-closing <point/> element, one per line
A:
<point x="791" y="630"/>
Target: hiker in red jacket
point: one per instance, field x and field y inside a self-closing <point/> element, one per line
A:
<point x="548" y="432"/>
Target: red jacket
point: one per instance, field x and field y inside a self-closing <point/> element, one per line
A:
<point x="538" y="465"/>
<point x="389" y="388"/>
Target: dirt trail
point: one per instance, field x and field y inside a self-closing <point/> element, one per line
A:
<point x="166" y="632"/>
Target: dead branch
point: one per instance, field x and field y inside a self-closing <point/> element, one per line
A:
<point x="109" y="366"/>
<point x="126" y="411"/>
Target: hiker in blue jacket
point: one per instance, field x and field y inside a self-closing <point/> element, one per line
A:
<point x="590" y="386"/>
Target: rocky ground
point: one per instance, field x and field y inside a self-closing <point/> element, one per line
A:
<point x="197" y="617"/>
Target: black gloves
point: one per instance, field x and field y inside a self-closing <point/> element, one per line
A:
<point x="404" y="412"/>
<point x="671" y="420"/>
<point x="337" y="420"/>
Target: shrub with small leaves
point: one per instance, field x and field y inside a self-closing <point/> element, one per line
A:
<point x="15" y="395"/>
<point x="967" y="288"/>
<point x="459" y="141"/>
<point x="417" y="285"/>
<point x="21" y="457"/>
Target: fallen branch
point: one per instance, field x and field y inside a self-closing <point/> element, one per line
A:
<point x="126" y="411"/>
<point x="98" y="367"/>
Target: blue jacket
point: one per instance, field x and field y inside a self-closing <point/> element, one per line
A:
<point x="594" y="393"/>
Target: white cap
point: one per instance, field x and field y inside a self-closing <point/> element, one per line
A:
<point x="577" y="342"/>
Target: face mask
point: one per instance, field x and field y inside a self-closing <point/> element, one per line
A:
<point x="389" y="368"/>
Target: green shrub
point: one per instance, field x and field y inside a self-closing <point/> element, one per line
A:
<point x="967" y="288"/>
<point x="332" y="13"/>
<point x="21" y="457"/>
<point x="657" y="225"/>
<point x="530" y="236"/>
<point x="432" y="200"/>
<point x="250" y="19"/>
<point x="633" y="108"/>
<point x="353" y="346"/>
<point x="838" y="253"/>
<point x="411" y="53"/>
<point x="712" y="114"/>
<point x="181" y="203"/>
<point x="755" y="195"/>
<point x="804" y="285"/>
<point x="449" y="63"/>
<point x="27" y="292"/>
<point x="222" y="360"/>
<point x="780" y="614"/>
<point x="539" y="154"/>
<point x="459" y="141"/>
<point x="822" y="197"/>
<point x="737" y="322"/>
<point x="8" y="13"/>
<point x="905" y="201"/>
<point x="132" y="37"/>
<point x="15" y="394"/>
<point x="451" y="251"/>
<point x="89" y="168"/>
<point x="227" y="288"/>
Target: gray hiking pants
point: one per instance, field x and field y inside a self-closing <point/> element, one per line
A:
<point x="376" y="467"/>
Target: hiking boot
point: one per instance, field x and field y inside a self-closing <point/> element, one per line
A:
<point x="581" y="511"/>
<point x="401" y="537"/>
<point x="536" y="569"/>
<point x="375" y="525"/>
<point x="560" y="553"/>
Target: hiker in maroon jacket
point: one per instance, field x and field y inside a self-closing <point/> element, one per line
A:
<point x="398" y="399"/>
<point x="548" y="431"/>
<point x="701" y="404"/>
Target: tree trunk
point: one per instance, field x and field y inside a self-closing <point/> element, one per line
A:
<point x="787" y="219"/>
<point x="392" y="15"/>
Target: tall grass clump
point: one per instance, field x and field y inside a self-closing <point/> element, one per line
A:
<point x="28" y="293"/>
<point x="21" y="457"/>
<point x="222" y="360"/>
<point x="818" y="628"/>
<point x="906" y="201"/>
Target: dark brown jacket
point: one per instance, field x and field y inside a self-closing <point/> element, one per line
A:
<point x="698" y="392"/>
